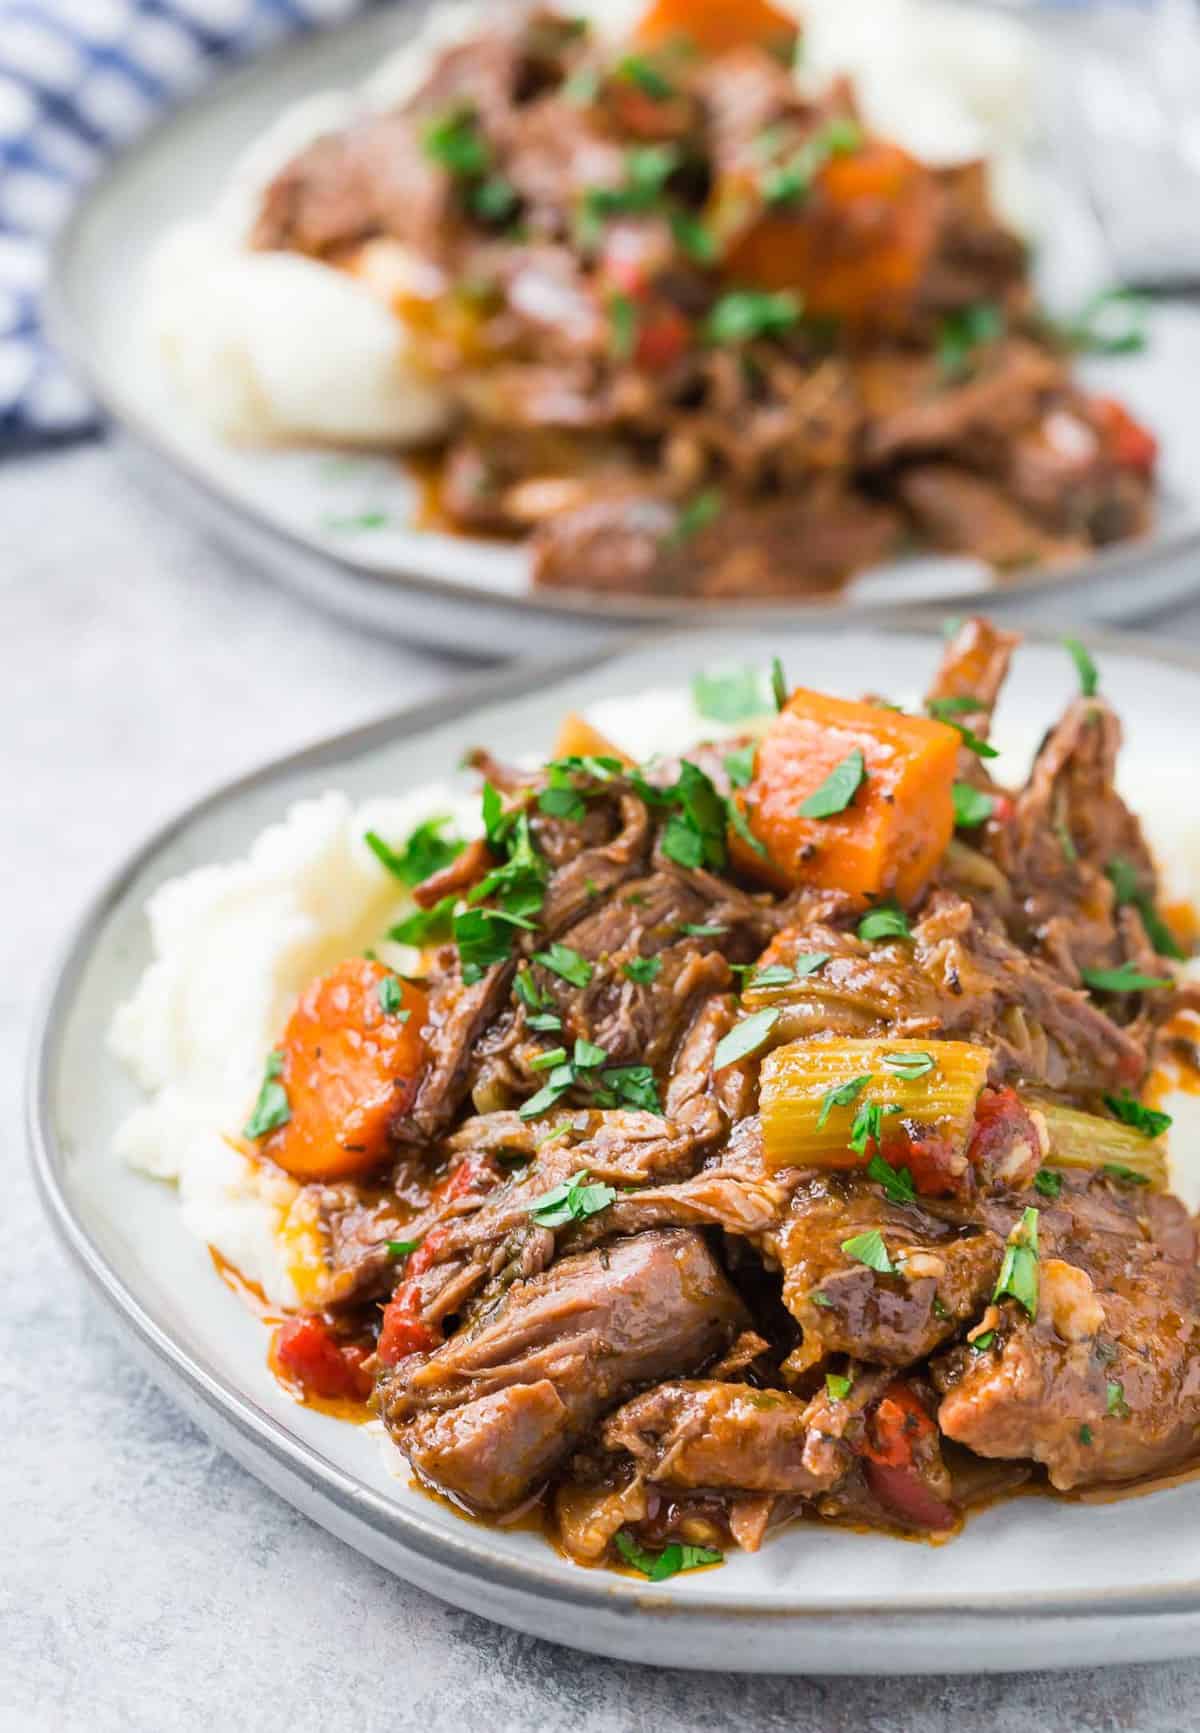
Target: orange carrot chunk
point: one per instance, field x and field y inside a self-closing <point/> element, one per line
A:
<point x="893" y="776"/>
<point x="720" y="26"/>
<point x="857" y="248"/>
<point x="352" y="1056"/>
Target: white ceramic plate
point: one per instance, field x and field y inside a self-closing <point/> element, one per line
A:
<point x="1030" y="1583"/>
<point x="469" y="594"/>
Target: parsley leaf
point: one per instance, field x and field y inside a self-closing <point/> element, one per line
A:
<point x="425" y="926"/>
<point x="1124" y="878"/>
<point x="1048" y="1182"/>
<point x="642" y="969"/>
<point x="870" y="1250"/>
<point x="1124" y="1175"/>
<point x="561" y="960"/>
<point x="908" y="1064"/>
<point x="838" y="789"/>
<point x="696" y="514"/>
<point x="842" y="1096"/>
<point x="740" y="825"/>
<point x="972" y="806"/>
<point x="964" y="331"/>
<point x="741" y="315"/>
<point x="391" y="995"/>
<point x="1126" y="979"/>
<point x="838" y="1386"/>
<point x="745" y="1037"/>
<point x="884" y="923"/>
<point x="1114" y="1400"/>
<point x="272" y="1109"/>
<point x="401" y="1248"/>
<point x="778" y="683"/>
<point x="1089" y="674"/>
<point x="694" y="835"/>
<point x="868" y="1125"/>
<point x="897" y="1182"/>
<point x="560" y="1080"/>
<point x="1018" y="1276"/>
<point x="623" y="327"/>
<point x="572" y="1201"/>
<point x="426" y="851"/>
<point x="453" y="140"/>
<point x="628" y="1086"/>
<point x="945" y="710"/>
<point x="484" y="937"/>
<point x="674" y="1558"/>
<point x="740" y="764"/>
<point x="1130" y="1111"/>
<point x="728" y="695"/>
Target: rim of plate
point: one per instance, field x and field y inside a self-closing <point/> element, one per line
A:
<point x="465" y="1551"/>
<point x="69" y="336"/>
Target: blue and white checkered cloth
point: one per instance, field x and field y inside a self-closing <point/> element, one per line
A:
<point x="78" y="80"/>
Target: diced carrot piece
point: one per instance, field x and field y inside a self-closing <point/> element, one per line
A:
<point x="892" y="834"/>
<point x="349" y="1065"/>
<point x="856" y="249"/>
<point x="578" y="739"/>
<point x="719" y="26"/>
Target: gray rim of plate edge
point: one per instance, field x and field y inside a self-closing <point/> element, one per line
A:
<point x="264" y="1435"/>
<point x="1102" y="568"/>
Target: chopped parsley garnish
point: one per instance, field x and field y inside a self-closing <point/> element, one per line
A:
<point x="561" y="960"/>
<point x="1127" y="979"/>
<point x="703" y="929"/>
<point x="694" y="237"/>
<point x="838" y="789"/>
<point x="1048" y="1182"/>
<point x="391" y="996"/>
<point x="1130" y="1111"/>
<point x="1085" y="1435"/>
<point x="868" y="1125"/>
<point x="983" y="1342"/>
<point x="272" y="1109"/>
<point x="729" y="695"/>
<point x="527" y="990"/>
<point x="870" y="1250"/>
<point x="843" y="1096"/>
<point x="547" y="1060"/>
<point x="545" y="1022"/>
<point x="586" y="1055"/>
<point x="740" y="825"/>
<point x="401" y="1248"/>
<point x="963" y="332"/>
<point x="494" y="199"/>
<point x="696" y="514"/>
<point x="638" y="69"/>
<point x="947" y="709"/>
<point x="623" y="327"/>
<point x="1124" y="877"/>
<point x="552" y="1091"/>
<point x="453" y="139"/>
<point x="1089" y="674"/>
<point x="362" y="520"/>
<point x="1114" y="1402"/>
<point x="908" y="1065"/>
<point x="972" y="806"/>
<point x="783" y="974"/>
<point x="1019" y="1272"/>
<point x="897" y="1182"/>
<point x="745" y="1038"/>
<point x="643" y="970"/>
<point x="628" y="1086"/>
<point x="740" y="764"/>
<point x="647" y="170"/>
<point x="838" y="1386"/>
<point x="562" y="801"/>
<point x="676" y="1557"/>
<point x="572" y="1201"/>
<point x="884" y="923"/>
<point x="484" y="937"/>
<point x="1124" y="1175"/>
<point x="1111" y="323"/>
<point x="425" y="926"/>
<point x="426" y="852"/>
<point x="694" y="835"/>
<point x="779" y="689"/>
<point x="741" y="315"/>
<point x="791" y="181"/>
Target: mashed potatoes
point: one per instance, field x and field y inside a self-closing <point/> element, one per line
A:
<point x="273" y="347"/>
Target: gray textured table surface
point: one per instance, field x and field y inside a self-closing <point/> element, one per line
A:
<point x="147" y="1582"/>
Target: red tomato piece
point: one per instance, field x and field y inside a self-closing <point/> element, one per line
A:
<point x="1132" y="446"/>
<point x="306" y="1351"/>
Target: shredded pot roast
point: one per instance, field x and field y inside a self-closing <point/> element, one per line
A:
<point x="708" y="334"/>
<point x="763" y="1135"/>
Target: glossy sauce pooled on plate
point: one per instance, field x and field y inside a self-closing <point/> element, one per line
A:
<point x="763" y="1135"/>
